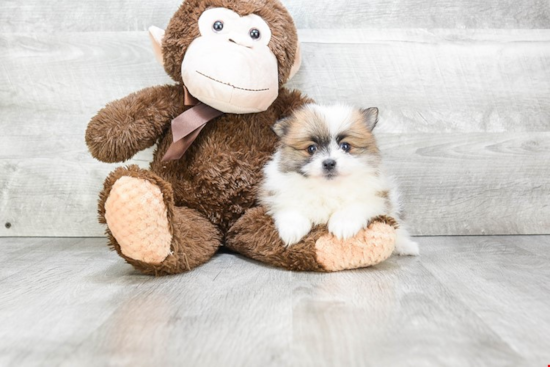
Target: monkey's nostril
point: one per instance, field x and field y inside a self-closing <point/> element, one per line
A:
<point x="230" y="40"/>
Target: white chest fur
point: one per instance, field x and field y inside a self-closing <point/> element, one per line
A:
<point x="318" y="198"/>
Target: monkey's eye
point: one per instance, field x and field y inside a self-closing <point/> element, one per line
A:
<point x="345" y="147"/>
<point x="311" y="149"/>
<point x="255" y="34"/>
<point x="217" y="26"/>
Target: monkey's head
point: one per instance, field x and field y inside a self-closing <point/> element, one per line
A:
<point x="233" y="55"/>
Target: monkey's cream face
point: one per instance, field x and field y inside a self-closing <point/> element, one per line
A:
<point x="230" y="66"/>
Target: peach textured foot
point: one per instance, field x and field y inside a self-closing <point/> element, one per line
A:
<point x="369" y="247"/>
<point x="136" y="216"/>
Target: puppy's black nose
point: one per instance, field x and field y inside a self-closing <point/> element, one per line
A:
<point x="329" y="164"/>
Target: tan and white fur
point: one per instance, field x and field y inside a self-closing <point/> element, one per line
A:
<point x="327" y="170"/>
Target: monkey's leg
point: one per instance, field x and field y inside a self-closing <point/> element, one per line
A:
<point x="254" y="235"/>
<point x="147" y="230"/>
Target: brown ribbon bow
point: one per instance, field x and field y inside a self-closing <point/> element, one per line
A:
<point x="187" y="126"/>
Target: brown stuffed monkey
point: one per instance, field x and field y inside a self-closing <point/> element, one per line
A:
<point x="230" y="60"/>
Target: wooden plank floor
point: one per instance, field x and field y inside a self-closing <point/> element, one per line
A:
<point x="466" y="301"/>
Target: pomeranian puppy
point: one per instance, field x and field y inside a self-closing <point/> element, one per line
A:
<point x="327" y="170"/>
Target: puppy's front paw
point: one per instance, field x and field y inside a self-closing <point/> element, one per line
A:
<point x="345" y="224"/>
<point x="292" y="227"/>
<point x="406" y="247"/>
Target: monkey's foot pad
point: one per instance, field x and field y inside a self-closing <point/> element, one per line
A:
<point x="369" y="247"/>
<point x="137" y="217"/>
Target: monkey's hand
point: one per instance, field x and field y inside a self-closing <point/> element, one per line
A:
<point x="133" y="123"/>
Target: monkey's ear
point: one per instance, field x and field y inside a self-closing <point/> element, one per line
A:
<point x="370" y="115"/>
<point x="297" y="62"/>
<point x="156" y="35"/>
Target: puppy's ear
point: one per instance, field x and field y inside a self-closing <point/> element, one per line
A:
<point x="281" y="127"/>
<point x="370" y="116"/>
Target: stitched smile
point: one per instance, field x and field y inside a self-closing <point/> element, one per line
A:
<point x="231" y="85"/>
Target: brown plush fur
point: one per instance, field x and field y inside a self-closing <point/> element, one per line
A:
<point x="218" y="175"/>
<point x="215" y="183"/>
<point x="190" y="247"/>
<point x="211" y="186"/>
<point x="255" y="236"/>
<point x="133" y="123"/>
<point x="183" y="29"/>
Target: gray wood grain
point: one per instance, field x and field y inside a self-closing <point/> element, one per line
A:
<point x="475" y="183"/>
<point x="476" y="301"/>
<point x="497" y="274"/>
<point x="463" y="183"/>
<point x="472" y="108"/>
<point x="437" y="81"/>
<point x="126" y="15"/>
<point x="396" y="314"/>
<point x="434" y="81"/>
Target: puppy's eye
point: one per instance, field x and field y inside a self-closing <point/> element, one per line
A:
<point x="217" y="26"/>
<point x="311" y="149"/>
<point x="345" y="147"/>
<point x="255" y="34"/>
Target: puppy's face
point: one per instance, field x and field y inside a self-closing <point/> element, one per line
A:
<point x="328" y="141"/>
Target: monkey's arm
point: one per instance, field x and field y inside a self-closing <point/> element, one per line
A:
<point x="133" y="123"/>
